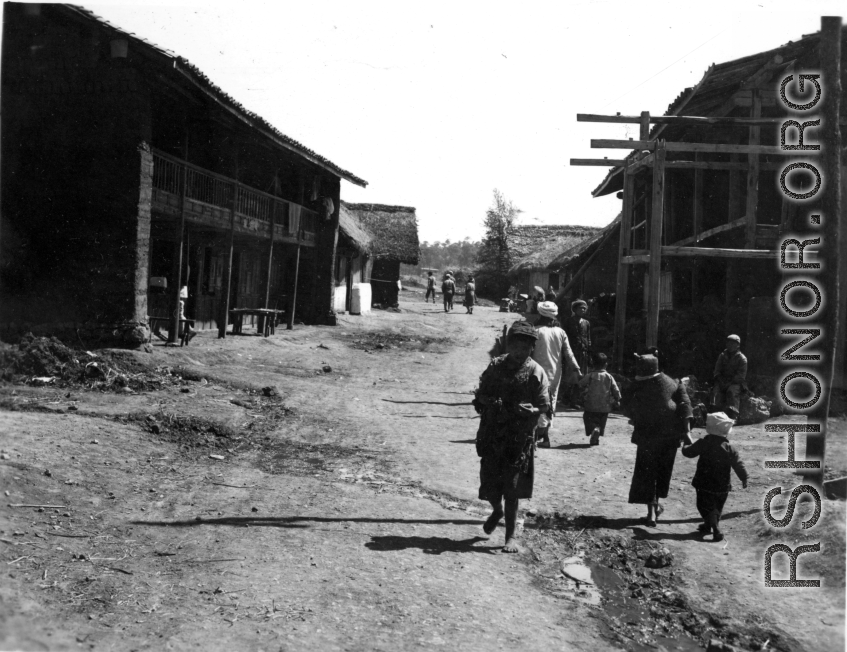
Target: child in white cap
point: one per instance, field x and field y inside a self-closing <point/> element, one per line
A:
<point x="712" y="478"/>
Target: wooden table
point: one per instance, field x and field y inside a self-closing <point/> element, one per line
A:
<point x="267" y="319"/>
<point x="157" y="322"/>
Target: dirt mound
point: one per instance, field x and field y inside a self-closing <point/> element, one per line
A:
<point x="47" y="361"/>
<point x="380" y="341"/>
<point x="42" y="357"/>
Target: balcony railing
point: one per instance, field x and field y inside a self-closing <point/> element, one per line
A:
<point x="216" y="190"/>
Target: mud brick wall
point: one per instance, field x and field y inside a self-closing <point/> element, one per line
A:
<point x="76" y="176"/>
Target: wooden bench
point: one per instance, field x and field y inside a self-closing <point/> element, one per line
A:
<point x="156" y="324"/>
<point x="267" y="319"/>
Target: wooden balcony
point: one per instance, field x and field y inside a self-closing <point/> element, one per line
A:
<point x="210" y="199"/>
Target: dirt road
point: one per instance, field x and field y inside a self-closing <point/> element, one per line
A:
<point x="340" y="512"/>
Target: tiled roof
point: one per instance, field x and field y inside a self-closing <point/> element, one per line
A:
<point x="718" y="84"/>
<point x="196" y="76"/>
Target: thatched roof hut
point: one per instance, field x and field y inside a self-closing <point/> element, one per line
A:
<point x="393" y="231"/>
<point x="535" y="247"/>
<point x="353" y="231"/>
<point x="577" y="254"/>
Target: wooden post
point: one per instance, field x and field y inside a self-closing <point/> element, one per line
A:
<point x="655" y="265"/>
<point x="832" y="233"/>
<point x="271" y="247"/>
<point x="223" y="318"/>
<point x="697" y="220"/>
<point x="348" y="295"/>
<point x="753" y="175"/>
<point x="292" y="302"/>
<point x="622" y="283"/>
<point x="178" y="250"/>
<point x="644" y="133"/>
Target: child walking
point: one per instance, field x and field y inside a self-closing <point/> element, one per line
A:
<point x="600" y="396"/>
<point x="712" y="478"/>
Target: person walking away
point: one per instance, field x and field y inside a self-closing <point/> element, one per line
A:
<point x="730" y="378"/>
<point x="470" y="295"/>
<point x="448" y="288"/>
<point x="601" y="396"/>
<point x="661" y="414"/>
<point x="712" y="480"/>
<point x="578" y="330"/>
<point x="553" y="353"/>
<point x="430" y="287"/>
<point x="512" y="392"/>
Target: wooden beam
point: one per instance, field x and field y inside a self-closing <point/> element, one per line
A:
<point x="673" y="120"/>
<point x="636" y="258"/>
<point x="832" y="234"/>
<point x="758" y="78"/>
<point x="292" y="301"/>
<point x="173" y="329"/>
<point x="706" y="165"/>
<point x="271" y="245"/>
<point x="655" y="264"/>
<point x="753" y="175"/>
<point x="599" y="162"/>
<point x="644" y="129"/>
<point x="714" y="252"/>
<point x="741" y="221"/>
<point x="717" y="148"/>
<point x="223" y="319"/>
<point x="622" y="282"/>
<point x="745" y="98"/>
<point x="643" y="162"/>
<point x="699" y="206"/>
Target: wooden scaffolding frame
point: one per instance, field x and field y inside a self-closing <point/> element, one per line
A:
<point x="650" y="157"/>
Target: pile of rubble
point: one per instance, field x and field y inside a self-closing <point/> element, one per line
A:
<point x="41" y="361"/>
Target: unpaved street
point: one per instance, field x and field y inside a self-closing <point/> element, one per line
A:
<point x="342" y="514"/>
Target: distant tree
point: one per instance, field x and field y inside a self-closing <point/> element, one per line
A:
<point x="492" y="258"/>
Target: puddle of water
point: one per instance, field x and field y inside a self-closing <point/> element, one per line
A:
<point x="618" y="605"/>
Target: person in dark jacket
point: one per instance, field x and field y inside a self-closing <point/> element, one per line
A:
<point x="578" y="330"/>
<point x="660" y="412"/>
<point x="512" y="392"/>
<point x="730" y="377"/>
<point x="712" y="478"/>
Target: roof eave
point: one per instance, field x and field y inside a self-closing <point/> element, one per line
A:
<point x="343" y="174"/>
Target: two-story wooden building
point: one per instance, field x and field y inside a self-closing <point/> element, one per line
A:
<point x="703" y="212"/>
<point x="127" y="174"/>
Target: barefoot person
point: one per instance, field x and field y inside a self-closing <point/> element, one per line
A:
<point x="512" y="392"/>
<point x="661" y="413"/>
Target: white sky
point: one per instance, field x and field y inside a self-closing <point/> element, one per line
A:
<point x="435" y="104"/>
